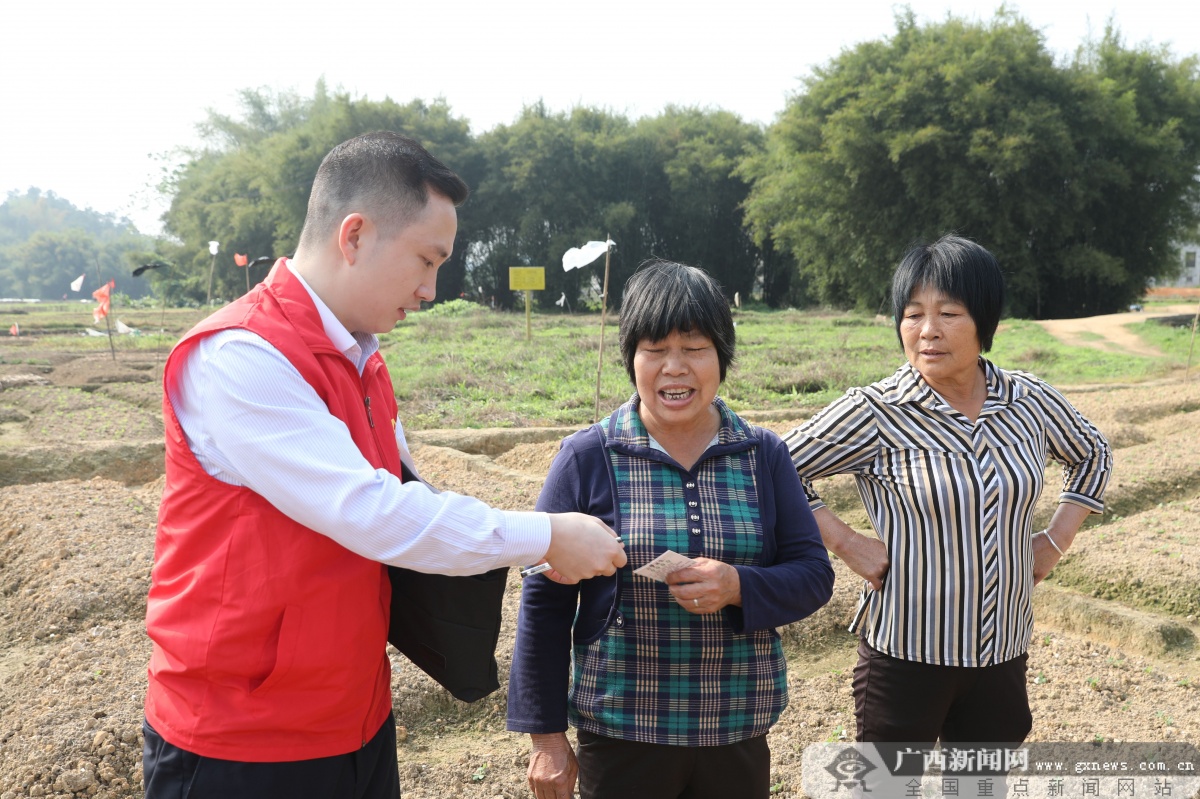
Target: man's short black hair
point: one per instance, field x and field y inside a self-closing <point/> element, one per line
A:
<point x="962" y="270"/>
<point x="385" y="175"/>
<point x="664" y="297"/>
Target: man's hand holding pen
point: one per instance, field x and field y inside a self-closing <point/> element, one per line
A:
<point x="581" y="546"/>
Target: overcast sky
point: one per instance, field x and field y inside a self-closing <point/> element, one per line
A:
<point x="97" y="97"/>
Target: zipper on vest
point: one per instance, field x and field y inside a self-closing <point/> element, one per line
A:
<point x="370" y="418"/>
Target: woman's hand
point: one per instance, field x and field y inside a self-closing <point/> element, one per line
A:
<point x="1065" y="523"/>
<point x="706" y="586"/>
<point x="866" y="557"/>
<point x="553" y="769"/>
<point x="1045" y="558"/>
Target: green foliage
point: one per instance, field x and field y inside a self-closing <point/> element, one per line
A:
<point x="457" y="307"/>
<point x="553" y="182"/>
<point x="477" y="370"/>
<point x="248" y="189"/>
<point x="46" y="242"/>
<point x="1076" y="176"/>
<point x="460" y="365"/>
<point x="663" y="186"/>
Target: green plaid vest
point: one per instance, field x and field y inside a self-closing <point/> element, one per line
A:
<point x="657" y="673"/>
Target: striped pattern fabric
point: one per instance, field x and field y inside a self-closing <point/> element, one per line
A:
<point x="660" y="674"/>
<point x="953" y="502"/>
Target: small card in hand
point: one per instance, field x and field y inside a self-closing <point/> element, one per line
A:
<point x="664" y="564"/>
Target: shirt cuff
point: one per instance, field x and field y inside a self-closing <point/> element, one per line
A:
<point x="1094" y="505"/>
<point x="526" y="537"/>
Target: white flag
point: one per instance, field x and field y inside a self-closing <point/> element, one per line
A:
<point x="582" y="256"/>
<point x="123" y="328"/>
<point x="77" y="283"/>
<point x="559" y="302"/>
<point x="737" y="300"/>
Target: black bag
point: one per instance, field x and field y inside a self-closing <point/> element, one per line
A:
<point x="449" y="626"/>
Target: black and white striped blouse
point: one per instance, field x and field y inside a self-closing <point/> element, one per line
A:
<point x="953" y="502"/>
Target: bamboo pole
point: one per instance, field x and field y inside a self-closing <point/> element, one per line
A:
<point x="603" y="315"/>
<point x="212" y="267"/>
<point x="162" y="325"/>
<point x="1187" y="370"/>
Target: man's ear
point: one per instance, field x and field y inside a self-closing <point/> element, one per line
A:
<point x="350" y="236"/>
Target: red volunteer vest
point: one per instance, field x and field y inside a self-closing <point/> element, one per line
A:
<point x="268" y="637"/>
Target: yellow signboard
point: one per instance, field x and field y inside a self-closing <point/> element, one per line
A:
<point x="527" y="278"/>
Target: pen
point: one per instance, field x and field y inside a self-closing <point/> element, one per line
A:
<point x="529" y="571"/>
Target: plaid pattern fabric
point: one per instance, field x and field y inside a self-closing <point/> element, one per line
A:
<point x="659" y="674"/>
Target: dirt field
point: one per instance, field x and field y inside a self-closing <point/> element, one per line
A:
<point x="1114" y="657"/>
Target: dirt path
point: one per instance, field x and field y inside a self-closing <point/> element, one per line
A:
<point x="1110" y="332"/>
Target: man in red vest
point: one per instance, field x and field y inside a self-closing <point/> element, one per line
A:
<point x="284" y="503"/>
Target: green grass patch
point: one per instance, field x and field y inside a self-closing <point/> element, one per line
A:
<point x="461" y="365"/>
<point x="1173" y="340"/>
<point x="470" y="367"/>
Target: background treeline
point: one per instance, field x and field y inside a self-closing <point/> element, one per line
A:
<point x="1079" y="176"/>
<point x="1079" y="173"/>
<point x="663" y="185"/>
<point x="46" y="242"/>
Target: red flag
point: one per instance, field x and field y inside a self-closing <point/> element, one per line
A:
<point x="102" y="296"/>
<point x="241" y="260"/>
<point x="15" y="330"/>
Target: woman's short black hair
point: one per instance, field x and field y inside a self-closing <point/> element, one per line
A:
<point x="960" y="269"/>
<point x="664" y="297"/>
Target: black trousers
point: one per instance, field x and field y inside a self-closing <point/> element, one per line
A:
<point x="610" y="768"/>
<point x="367" y="773"/>
<point x="905" y="701"/>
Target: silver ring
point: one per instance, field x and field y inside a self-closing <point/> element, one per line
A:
<point x="696" y="602"/>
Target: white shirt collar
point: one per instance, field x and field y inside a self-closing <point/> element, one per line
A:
<point x="358" y="347"/>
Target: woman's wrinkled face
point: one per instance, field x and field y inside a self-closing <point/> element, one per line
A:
<point x="677" y="380"/>
<point x="939" y="336"/>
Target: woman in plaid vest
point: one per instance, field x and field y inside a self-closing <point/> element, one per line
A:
<point x="671" y="684"/>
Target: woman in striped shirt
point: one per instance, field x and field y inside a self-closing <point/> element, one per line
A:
<point x="948" y="454"/>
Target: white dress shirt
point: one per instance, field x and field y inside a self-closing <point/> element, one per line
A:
<point x="252" y="420"/>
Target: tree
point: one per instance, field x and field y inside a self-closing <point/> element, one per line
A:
<point x="696" y="208"/>
<point x="973" y="128"/>
<point x="664" y="186"/>
<point x="249" y="187"/>
<point x="553" y="182"/>
<point x="46" y="242"/>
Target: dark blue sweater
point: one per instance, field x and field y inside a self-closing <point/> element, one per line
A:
<point x="793" y="580"/>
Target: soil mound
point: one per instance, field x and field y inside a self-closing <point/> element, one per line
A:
<point x="1114" y="656"/>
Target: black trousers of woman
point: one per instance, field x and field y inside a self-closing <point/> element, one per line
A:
<point x="905" y="701"/>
